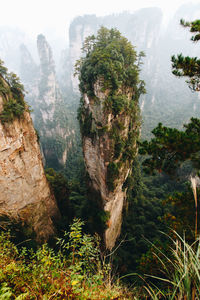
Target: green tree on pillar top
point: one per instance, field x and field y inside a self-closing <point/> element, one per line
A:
<point x="111" y="57"/>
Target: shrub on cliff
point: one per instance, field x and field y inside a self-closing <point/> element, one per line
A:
<point x="12" y="92"/>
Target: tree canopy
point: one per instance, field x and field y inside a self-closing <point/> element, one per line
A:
<point x="109" y="57"/>
<point x="170" y="147"/>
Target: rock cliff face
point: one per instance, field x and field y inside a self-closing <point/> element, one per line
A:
<point x="107" y="169"/>
<point x="109" y="119"/>
<point x="50" y="112"/>
<point x="24" y="191"/>
<point x="50" y="115"/>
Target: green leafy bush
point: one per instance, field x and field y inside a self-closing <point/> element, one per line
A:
<point x="11" y="110"/>
<point x="75" y="271"/>
<point x="117" y="104"/>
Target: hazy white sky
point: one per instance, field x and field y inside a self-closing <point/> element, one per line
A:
<point x="35" y="16"/>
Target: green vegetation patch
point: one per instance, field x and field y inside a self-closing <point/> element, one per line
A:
<point x="11" y="111"/>
<point x="75" y="271"/>
<point x="116" y="104"/>
<point x="12" y="92"/>
<point x="109" y="57"/>
<point x="112" y="174"/>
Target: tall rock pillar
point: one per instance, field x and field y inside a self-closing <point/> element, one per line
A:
<point x="109" y="120"/>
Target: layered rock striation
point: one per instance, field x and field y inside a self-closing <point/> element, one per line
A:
<point x="109" y="119"/>
<point x="24" y="191"/>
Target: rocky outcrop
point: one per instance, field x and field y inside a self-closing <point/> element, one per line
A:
<point x="109" y="121"/>
<point x="107" y="169"/>
<point x="24" y="191"/>
<point x="50" y="114"/>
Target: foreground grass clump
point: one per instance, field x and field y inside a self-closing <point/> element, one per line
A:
<point x="180" y="269"/>
<point x="75" y="271"/>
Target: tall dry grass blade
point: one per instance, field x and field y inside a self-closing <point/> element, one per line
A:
<point x="184" y="281"/>
<point x="194" y="189"/>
